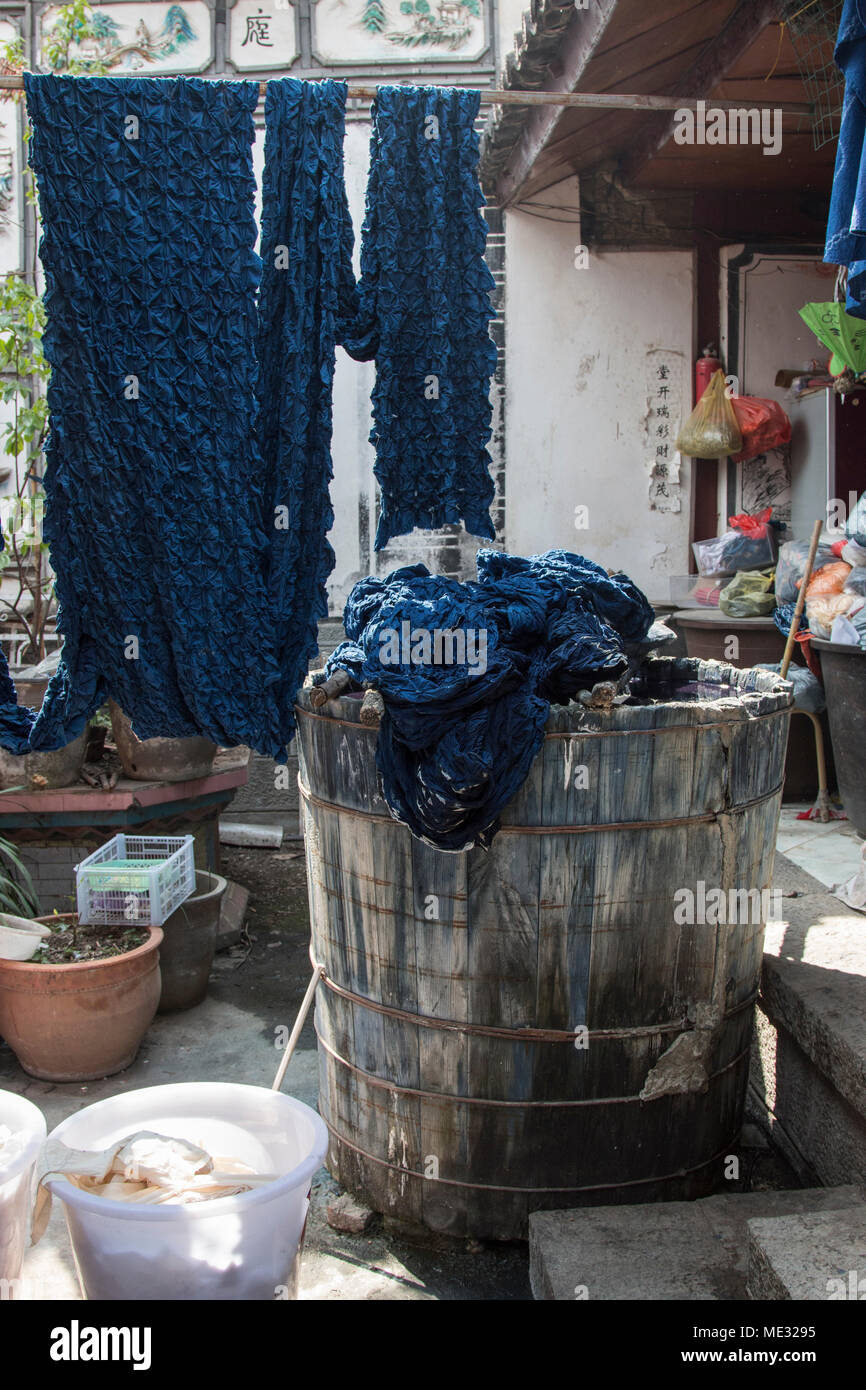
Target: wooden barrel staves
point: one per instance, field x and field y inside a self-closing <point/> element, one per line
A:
<point x="554" y="1022"/>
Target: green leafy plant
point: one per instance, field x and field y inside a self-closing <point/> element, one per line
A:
<point x="17" y="893"/>
<point x="24" y="373"/>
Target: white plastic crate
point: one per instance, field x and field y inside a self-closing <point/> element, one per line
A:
<point x="135" y="879"/>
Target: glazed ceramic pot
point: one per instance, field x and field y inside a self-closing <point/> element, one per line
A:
<point x="80" y="1021"/>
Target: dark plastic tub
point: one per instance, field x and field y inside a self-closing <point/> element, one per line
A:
<point x="844" y="671"/>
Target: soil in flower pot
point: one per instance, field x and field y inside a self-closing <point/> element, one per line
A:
<point x="79" y="1010"/>
<point x="189" y="942"/>
<point x="160" y="759"/>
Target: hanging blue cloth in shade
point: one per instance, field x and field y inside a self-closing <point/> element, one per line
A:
<point x="468" y="671"/>
<point x="308" y="300"/>
<point x="153" y="510"/>
<point x="425" y="310"/>
<point x="846" y="228"/>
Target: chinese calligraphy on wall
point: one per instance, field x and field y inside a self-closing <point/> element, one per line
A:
<point x="664" y="390"/>
<point x="262" y="35"/>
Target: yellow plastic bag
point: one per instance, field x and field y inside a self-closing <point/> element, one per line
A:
<point x="711" y="430"/>
<point x="750" y="594"/>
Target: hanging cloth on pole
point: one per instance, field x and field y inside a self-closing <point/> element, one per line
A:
<point x="846" y="228"/>
<point x="424" y="310"/>
<point x="308" y="298"/>
<point x="152" y="480"/>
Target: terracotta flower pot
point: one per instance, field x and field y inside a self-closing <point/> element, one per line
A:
<point x="160" y="759"/>
<point x="80" y="1021"/>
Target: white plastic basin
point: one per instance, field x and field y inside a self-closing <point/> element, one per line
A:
<point x="234" y="1248"/>
<point x="19" y="938"/>
<point x="17" y="1184"/>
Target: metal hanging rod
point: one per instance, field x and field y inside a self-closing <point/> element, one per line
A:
<point x="590" y="101"/>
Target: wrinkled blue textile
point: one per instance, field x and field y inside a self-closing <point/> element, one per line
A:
<point x="152" y="472"/>
<point x="846" y="228"/>
<point x="308" y="300"/>
<point x="424" y="311"/>
<point x="783" y="616"/>
<point x="458" y="738"/>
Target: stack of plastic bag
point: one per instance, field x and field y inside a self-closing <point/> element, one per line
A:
<point x="836" y="595"/>
<point x="792" y="566"/>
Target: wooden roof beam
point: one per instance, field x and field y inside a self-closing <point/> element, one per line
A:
<point x="745" y="25"/>
<point x="581" y="40"/>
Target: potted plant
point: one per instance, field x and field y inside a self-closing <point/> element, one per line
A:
<point x="80" y="1006"/>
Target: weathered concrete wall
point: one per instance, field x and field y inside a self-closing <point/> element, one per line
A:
<point x="582" y="344"/>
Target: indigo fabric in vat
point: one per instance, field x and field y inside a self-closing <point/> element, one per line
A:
<point x="456" y="743"/>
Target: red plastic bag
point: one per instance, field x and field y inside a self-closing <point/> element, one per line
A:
<point x="754" y="526"/>
<point x="763" y="425"/>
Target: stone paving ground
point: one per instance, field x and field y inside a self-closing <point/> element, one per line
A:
<point x="255" y="990"/>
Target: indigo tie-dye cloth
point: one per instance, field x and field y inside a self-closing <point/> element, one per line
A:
<point x="425" y="309"/>
<point x="308" y="300"/>
<point x="846" y="227"/>
<point x="458" y="737"/>
<point x="152" y="477"/>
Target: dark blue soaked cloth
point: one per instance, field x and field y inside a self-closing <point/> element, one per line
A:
<point x="424" y="311"/>
<point x="468" y="673"/>
<point x="846" y="227"/>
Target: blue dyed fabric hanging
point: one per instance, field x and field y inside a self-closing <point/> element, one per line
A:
<point x="152" y="473"/>
<point x="308" y="300"/>
<point x="424" y="310"/>
<point x="846" y="227"/>
<point x="468" y="671"/>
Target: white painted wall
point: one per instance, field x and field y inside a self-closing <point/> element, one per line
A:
<point x="509" y="22"/>
<point x="353" y="488"/>
<point x="577" y="344"/>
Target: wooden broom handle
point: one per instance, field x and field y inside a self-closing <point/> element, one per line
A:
<point x="801" y="599"/>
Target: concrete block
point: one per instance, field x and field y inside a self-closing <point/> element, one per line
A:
<point x="346" y="1213"/>
<point x="697" y="1251"/>
<point x="808" y="1255"/>
<point x="820" y="1133"/>
<point x="809" y="1062"/>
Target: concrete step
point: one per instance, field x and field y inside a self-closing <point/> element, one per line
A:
<point x="808" y="1255"/>
<point x="696" y="1251"/>
<point x="808" y="1083"/>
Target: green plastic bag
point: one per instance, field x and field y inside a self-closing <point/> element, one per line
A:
<point x="750" y="594"/>
<point x="844" y="335"/>
<point x="711" y="431"/>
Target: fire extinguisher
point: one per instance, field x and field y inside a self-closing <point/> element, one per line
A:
<point x="705" y="369"/>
